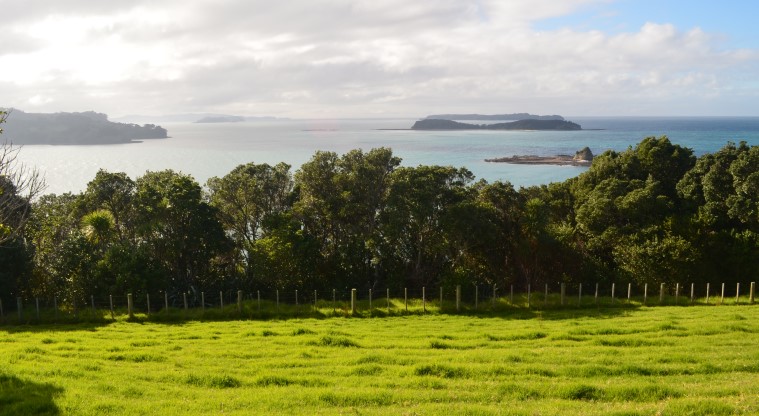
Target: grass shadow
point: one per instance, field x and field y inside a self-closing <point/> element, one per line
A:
<point x="22" y="397"/>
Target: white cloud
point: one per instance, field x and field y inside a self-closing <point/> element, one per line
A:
<point x="352" y="58"/>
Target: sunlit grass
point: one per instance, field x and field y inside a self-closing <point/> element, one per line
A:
<point x="624" y="361"/>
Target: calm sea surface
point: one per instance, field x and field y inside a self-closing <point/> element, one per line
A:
<point x="206" y="150"/>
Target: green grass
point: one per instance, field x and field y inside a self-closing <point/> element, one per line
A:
<point x="609" y="361"/>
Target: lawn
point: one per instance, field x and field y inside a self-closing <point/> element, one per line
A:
<point x="668" y="360"/>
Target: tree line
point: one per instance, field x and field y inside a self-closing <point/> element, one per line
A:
<point x="653" y="213"/>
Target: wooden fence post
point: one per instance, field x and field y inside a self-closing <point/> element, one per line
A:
<point x="405" y="298"/>
<point x="476" y="296"/>
<point x="258" y="298"/>
<point x="203" y="302"/>
<point x="334" y="301"/>
<point x="596" y="294"/>
<point x="370" y="301"/>
<point x="458" y="298"/>
<point x="692" y="292"/>
<point x="722" y="294"/>
<point x="166" y="300"/>
<point x="55" y="306"/>
<point x="441" y="298"/>
<point x="221" y="300"/>
<point x="388" y="301"/>
<point x="277" y="300"/>
<point x="296" y="297"/>
<point x="677" y="293"/>
<point x="315" y="301"/>
<point x="130" y="306"/>
<point x="110" y="302"/>
<point x="645" y="294"/>
<point x="424" y="300"/>
<point x="92" y="300"/>
<point x="37" y="302"/>
<point x="511" y="295"/>
<point x="737" y="293"/>
<point x="751" y="293"/>
<point x="495" y="291"/>
<point x="707" y="293"/>
<point x="353" y="301"/>
<point x="545" y="299"/>
<point x="661" y="293"/>
<point x="239" y="301"/>
<point x="2" y="314"/>
<point x="147" y="296"/>
<point x="20" y="306"/>
<point x="184" y="299"/>
<point x="563" y="293"/>
<point x="579" y="296"/>
<point x="629" y="291"/>
<point x="613" y="288"/>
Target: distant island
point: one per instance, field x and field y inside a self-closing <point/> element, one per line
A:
<point x="494" y="117"/>
<point x="582" y="157"/>
<point x="221" y="119"/>
<point x="529" y="124"/>
<point x="74" y="129"/>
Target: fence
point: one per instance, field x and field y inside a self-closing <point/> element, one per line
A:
<point x="260" y="304"/>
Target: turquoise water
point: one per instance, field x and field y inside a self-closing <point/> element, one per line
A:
<point x="206" y="150"/>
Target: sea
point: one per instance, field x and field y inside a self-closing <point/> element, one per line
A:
<point x="204" y="150"/>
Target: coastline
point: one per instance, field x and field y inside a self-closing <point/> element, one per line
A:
<point x="558" y="160"/>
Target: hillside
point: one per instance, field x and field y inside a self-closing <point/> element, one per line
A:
<point x="494" y="117"/>
<point x="74" y="129"/>
<point x="440" y="124"/>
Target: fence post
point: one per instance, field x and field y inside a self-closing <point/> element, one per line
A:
<point x="629" y="291"/>
<point x="424" y="300"/>
<point x="579" y="296"/>
<point x="2" y="315"/>
<point x="37" y="301"/>
<point x="495" y="291"/>
<point x="20" y="307"/>
<point x="737" y="293"/>
<point x="370" y="301"/>
<point x="130" y="306"/>
<point x="707" y="293"/>
<point x="239" y="300"/>
<point x="596" y="295"/>
<point x="677" y="293"/>
<point x="334" y="301"/>
<point x="545" y="299"/>
<point x="388" y="301"/>
<point x="296" y="297"/>
<point x="315" y="300"/>
<point x="405" y="298"/>
<point x="277" y="300"/>
<point x="458" y="298"/>
<point x="258" y="298"/>
<point x="184" y="298"/>
<point x="476" y="296"/>
<point x="203" y="302"/>
<point x="722" y="294"/>
<point x="441" y="298"/>
<point x="353" y="301"/>
<point x="221" y="300"/>
<point x="751" y="293"/>
<point x="55" y="306"/>
<point x="511" y="295"/>
<point x="110" y="303"/>
<point x="166" y="300"/>
<point x="147" y="296"/>
<point x="613" y="288"/>
<point x="692" y="292"/>
<point x="645" y="293"/>
<point x="563" y="293"/>
<point x="92" y="300"/>
<point x="661" y="293"/>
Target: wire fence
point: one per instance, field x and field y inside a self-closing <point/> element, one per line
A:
<point x="265" y="304"/>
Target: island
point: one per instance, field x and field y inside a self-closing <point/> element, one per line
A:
<point x="74" y="129"/>
<point x="493" y="117"/>
<point x="221" y="119"/>
<point x="530" y="124"/>
<point x="582" y="157"/>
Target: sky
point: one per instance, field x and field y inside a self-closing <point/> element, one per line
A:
<point x="381" y="58"/>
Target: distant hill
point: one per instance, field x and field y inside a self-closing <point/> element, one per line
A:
<point x="221" y="119"/>
<point x="493" y="117"/>
<point x="74" y="129"/>
<point x="436" y="124"/>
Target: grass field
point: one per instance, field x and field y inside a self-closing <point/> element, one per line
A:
<point x="610" y="361"/>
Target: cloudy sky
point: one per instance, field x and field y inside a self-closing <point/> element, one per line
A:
<point x="380" y="58"/>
